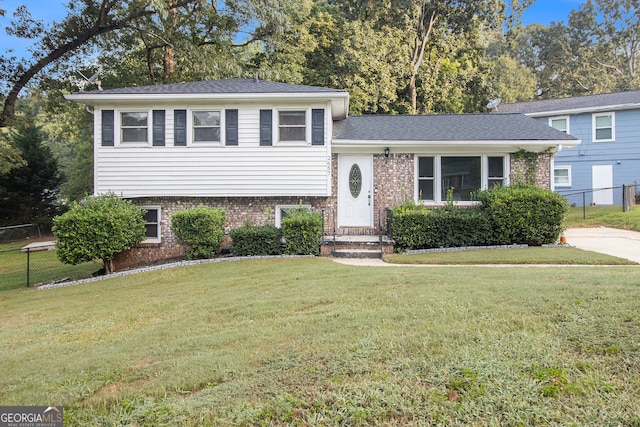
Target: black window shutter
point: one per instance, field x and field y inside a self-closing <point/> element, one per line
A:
<point x="158" y="128"/>
<point x="266" y="127"/>
<point x="107" y="128"/>
<point x="180" y="128"/>
<point x="231" y="127"/>
<point x="317" y="126"/>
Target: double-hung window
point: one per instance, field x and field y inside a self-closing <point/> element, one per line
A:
<point x="604" y="127"/>
<point x="560" y="123"/>
<point x="457" y="176"/>
<point x="152" y="224"/>
<point x="292" y="126"/>
<point x="562" y="176"/>
<point x="206" y="126"/>
<point x="426" y="178"/>
<point x="496" y="169"/>
<point x="134" y="126"/>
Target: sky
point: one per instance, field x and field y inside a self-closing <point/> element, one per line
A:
<point x="542" y="12"/>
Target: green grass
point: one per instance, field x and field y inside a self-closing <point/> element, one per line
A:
<point x="532" y="255"/>
<point x="309" y="341"/>
<point x="609" y="216"/>
<point x="44" y="267"/>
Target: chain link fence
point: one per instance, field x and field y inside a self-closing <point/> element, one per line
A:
<point x="582" y="198"/>
<point x="27" y="265"/>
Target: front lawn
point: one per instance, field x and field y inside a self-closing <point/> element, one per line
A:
<point x="309" y="341"/>
<point x="531" y="255"/>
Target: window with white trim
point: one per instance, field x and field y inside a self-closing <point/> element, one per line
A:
<point x="496" y="169"/>
<point x="604" y="127"/>
<point x="462" y="175"/>
<point x="282" y="210"/>
<point x="562" y="176"/>
<point x="134" y="127"/>
<point x="292" y="126"/>
<point x="152" y="224"/>
<point x="206" y="126"/>
<point x="560" y="123"/>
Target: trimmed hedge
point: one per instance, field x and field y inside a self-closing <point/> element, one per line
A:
<point x="256" y="240"/>
<point x="524" y="214"/>
<point x="520" y="214"/>
<point x="302" y="231"/>
<point x="201" y="230"/>
<point x="420" y="228"/>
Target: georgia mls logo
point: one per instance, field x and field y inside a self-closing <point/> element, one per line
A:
<point x="31" y="416"/>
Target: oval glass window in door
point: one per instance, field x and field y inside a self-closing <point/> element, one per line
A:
<point x="355" y="180"/>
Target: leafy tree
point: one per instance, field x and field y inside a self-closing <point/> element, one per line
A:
<point x="85" y="23"/>
<point x="29" y="193"/>
<point x="9" y="155"/>
<point x="98" y="228"/>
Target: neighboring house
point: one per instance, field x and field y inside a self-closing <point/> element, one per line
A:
<point x="608" y="157"/>
<point x="255" y="148"/>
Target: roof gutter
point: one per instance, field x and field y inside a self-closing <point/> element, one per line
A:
<point x="339" y="100"/>
<point x="616" y="107"/>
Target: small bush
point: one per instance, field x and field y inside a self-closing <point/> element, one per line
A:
<point x="302" y="231"/>
<point x="524" y="214"/>
<point x="256" y="240"/>
<point x="99" y="228"/>
<point x="201" y="230"/>
<point x="415" y="227"/>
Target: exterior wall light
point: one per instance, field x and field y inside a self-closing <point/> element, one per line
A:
<point x="386" y="153"/>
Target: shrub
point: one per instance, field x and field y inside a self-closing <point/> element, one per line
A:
<point x="302" y="231"/>
<point x="256" y="240"/>
<point x="415" y="227"/>
<point x="98" y="228"/>
<point x="524" y="214"/>
<point x="200" y="229"/>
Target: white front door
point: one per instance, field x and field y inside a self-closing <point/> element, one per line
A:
<point x="602" y="177"/>
<point x="355" y="191"/>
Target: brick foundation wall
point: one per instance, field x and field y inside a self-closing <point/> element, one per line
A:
<point x="239" y="210"/>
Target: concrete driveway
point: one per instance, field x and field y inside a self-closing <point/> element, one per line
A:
<point x="610" y="241"/>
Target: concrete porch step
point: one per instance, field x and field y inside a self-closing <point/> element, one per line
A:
<point x="356" y="246"/>
<point x="357" y="253"/>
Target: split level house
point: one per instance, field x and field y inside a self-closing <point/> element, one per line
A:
<point x="256" y="148"/>
<point x="609" y="155"/>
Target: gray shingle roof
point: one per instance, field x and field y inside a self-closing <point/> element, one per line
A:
<point x="573" y="103"/>
<point x="228" y="86"/>
<point x="445" y="127"/>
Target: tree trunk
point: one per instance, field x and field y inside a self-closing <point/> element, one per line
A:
<point x="169" y="54"/>
<point x="419" y="46"/>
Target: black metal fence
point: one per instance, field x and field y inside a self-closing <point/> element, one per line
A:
<point x="628" y="192"/>
<point x="36" y="264"/>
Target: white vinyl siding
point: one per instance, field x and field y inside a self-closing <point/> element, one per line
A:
<point x="214" y="171"/>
